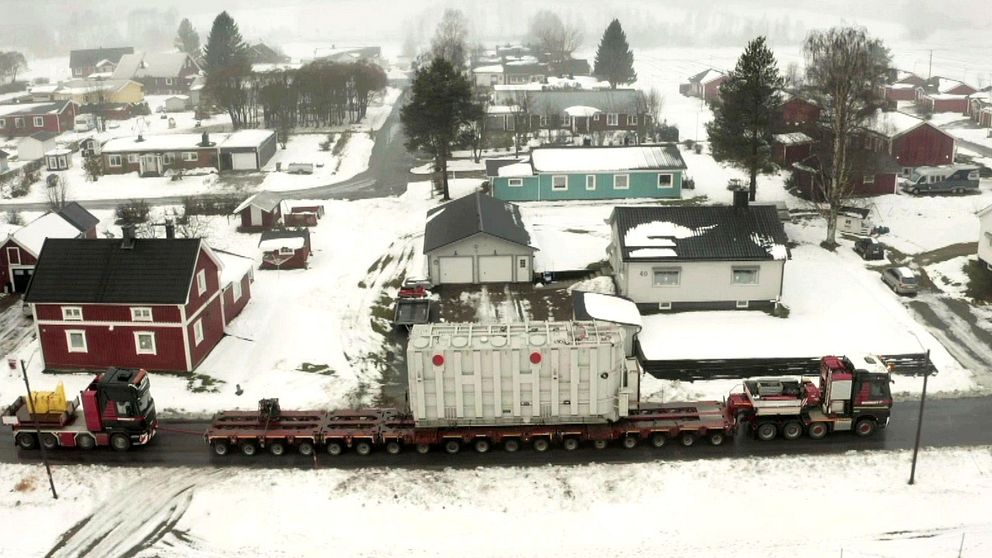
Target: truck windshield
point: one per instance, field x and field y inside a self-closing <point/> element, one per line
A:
<point x="144" y="396"/>
<point x="917" y="179"/>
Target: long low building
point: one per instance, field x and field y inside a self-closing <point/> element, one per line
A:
<point x="154" y="155"/>
<point x="30" y="118"/>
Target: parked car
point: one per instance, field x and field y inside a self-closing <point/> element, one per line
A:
<point x="869" y="249"/>
<point x="300" y="168"/>
<point x="943" y="179"/>
<point x="901" y="279"/>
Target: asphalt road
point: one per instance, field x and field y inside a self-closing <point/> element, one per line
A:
<point x="947" y="422"/>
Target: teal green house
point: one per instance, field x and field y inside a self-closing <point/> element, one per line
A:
<point x="592" y="173"/>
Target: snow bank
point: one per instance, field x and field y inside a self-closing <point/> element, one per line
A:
<point x="949" y="276"/>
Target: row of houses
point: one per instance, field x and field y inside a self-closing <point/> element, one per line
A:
<point x="156" y="155"/>
<point x="159" y="73"/>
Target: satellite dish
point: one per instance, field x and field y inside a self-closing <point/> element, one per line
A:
<point x="52" y="180"/>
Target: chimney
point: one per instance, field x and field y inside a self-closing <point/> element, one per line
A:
<point x="205" y="140"/>
<point x="127" y="242"/>
<point x="170" y="229"/>
<point x="740" y="198"/>
<point x="139" y="139"/>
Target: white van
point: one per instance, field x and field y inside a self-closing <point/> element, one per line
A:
<point x="84" y="123"/>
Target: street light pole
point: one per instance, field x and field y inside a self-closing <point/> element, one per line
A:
<point x="37" y="430"/>
<point x="919" y="422"/>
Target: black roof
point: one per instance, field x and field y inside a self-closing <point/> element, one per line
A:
<point x="80" y="270"/>
<point x="473" y="214"/>
<point x="715" y="232"/>
<point x="285" y="233"/>
<point x="78" y="216"/>
<point x="43" y="136"/>
<point x="493" y="165"/>
<point x="90" y="56"/>
<point x="5" y="154"/>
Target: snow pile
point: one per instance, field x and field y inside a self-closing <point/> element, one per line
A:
<point x="602" y="285"/>
<point x="949" y="276"/>
<point x="776" y="250"/>
<point x="660" y="233"/>
<point x="612" y="309"/>
<point x="652" y="253"/>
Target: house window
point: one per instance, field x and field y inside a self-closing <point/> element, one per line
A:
<point x="868" y="179"/>
<point x="286" y="251"/>
<point x="53" y="162"/>
<point x="667" y="277"/>
<point x="63" y="162"/>
<point x="544" y="121"/>
<point x="665" y="180"/>
<point x="132" y="158"/>
<point x="39" y="122"/>
<point x="168" y="81"/>
<point x="13" y="256"/>
<point x="559" y="183"/>
<point x="566" y="121"/>
<point x="621" y="182"/>
<point x="144" y="343"/>
<point x="18" y="122"/>
<point x="72" y="313"/>
<point x="236" y="290"/>
<point x="201" y="281"/>
<point x="141" y="314"/>
<point x="632" y="120"/>
<point x="612" y="119"/>
<point x="523" y="263"/>
<point x="169" y="158"/>
<point x="3" y="122"/>
<point x="114" y="160"/>
<point x="198" y="332"/>
<point x="744" y="276"/>
<point x="190" y="156"/>
<point x="590" y="182"/>
<point x="515" y="182"/>
<point x="75" y="340"/>
<point x="742" y="304"/>
<point x="595" y="117"/>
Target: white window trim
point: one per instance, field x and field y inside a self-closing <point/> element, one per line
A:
<point x="676" y="270"/>
<point x="626" y="179"/>
<point x="671" y="183"/>
<point x="593" y="177"/>
<point x="566" y="121"/>
<point x="18" y="122"/>
<point x="868" y="179"/>
<point x="137" y="314"/>
<point x="3" y="122"/>
<point x="612" y="119"/>
<point x="556" y="188"/>
<point x="133" y="158"/>
<point x="68" y="341"/>
<point x="201" y="281"/>
<point x="168" y="81"/>
<point x="756" y="270"/>
<point x="515" y="182"/>
<point x="742" y="304"/>
<point x="286" y="251"/>
<point x="236" y="290"/>
<point x="544" y="121"/>
<point x="190" y="156"/>
<point x="35" y="121"/>
<point x="632" y="120"/>
<point x="67" y="310"/>
<point x="664" y="306"/>
<point x="111" y="158"/>
<point x="198" y="332"/>
<point x="595" y="117"/>
<point x="137" y="343"/>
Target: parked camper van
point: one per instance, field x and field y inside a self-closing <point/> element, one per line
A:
<point x="956" y="179"/>
<point x="84" y="123"/>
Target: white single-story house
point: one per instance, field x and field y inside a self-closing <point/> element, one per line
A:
<point x="477" y="239"/>
<point x="176" y="103"/>
<point x="985" y="237"/>
<point x="58" y="159"/>
<point x="35" y="146"/>
<point x="699" y="257"/>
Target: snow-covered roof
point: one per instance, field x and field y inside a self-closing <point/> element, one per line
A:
<point x="610" y="308"/>
<point x="599" y="159"/>
<point x="945" y="85"/>
<point x="84" y="86"/>
<point x="27" y="109"/>
<point x="265" y="67"/>
<point x="581" y="110"/>
<point x="706" y="76"/>
<point x="234" y="267"/>
<point x="271" y="244"/>
<point x="893" y="123"/>
<point x="901" y="86"/>
<point x="492" y="69"/>
<point x="151" y="65"/>
<point x="792" y="138"/>
<point x="178" y="142"/>
<point x="502" y="109"/>
<point x="516" y="170"/>
<point x="180" y="97"/>
<point x="58" y="151"/>
<point x="245" y="138"/>
<point x="264" y="200"/>
<point x="50" y="225"/>
<point x="946" y="96"/>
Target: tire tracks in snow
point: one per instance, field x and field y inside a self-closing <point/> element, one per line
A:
<point x="135" y="517"/>
<point x="957" y="328"/>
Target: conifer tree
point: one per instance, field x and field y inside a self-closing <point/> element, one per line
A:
<point x="614" y="59"/>
<point x="187" y="40"/>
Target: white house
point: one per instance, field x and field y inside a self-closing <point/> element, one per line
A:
<point x="35" y="146"/>
<point x="985" y="237"/>
<point x="699" y="257"/>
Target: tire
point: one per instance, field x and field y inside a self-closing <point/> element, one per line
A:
<point x="541" y="444"/>
<point x="49" y="441"/>
<point x="452" y="447"/>
<point x="599" y="444"/>
<point x="766" y="431"/>
<point x="334" y="448"/>
<point x="85" y="441"/>
<point x="277" y="448"/>
<point x="26" y="440"/>
<point x="792" y="430"/>
<point x="363" y="448"/>
<point x="423" y="448"/>
<point x="865" y="427"/>
<point x="392" y="448"/>
<point x="511" y="445"/>
<point x="481" y="445"/>
<point x="220" y="447"/>
<point x="120" y="442"/>
<point x="716" y="438"/>
<point x="305" y="448"/>
<point x="688" y="439"/>
<point x="249" y="448"/>
<point x="570" y="444"/>
<point x="817" y="430"/>
<point x="629" y="442"/>
<point x="658" y="439"/>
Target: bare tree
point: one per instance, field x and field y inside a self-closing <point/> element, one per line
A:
<point x="649" y="104"/>
<point x="844" y="71"/>
<point x="58" y="192"/>
<point x="555" y="38"/>
<point x="522" y="119"/>
<point x="793" y="77"/>
<point x="450" y="38"/>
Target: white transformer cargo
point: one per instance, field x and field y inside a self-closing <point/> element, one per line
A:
<point x="517" y="374"/>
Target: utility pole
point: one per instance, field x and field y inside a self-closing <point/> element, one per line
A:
<point x="37" y="431"/>
<point x="930" y="66"/>
<point x="919" y="422"/>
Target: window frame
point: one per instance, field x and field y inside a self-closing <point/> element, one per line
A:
<point x="519" y="182"/>
<point x="555" y="177"/>
<point x="868" y="179"/>
<point x="16" y="250"/>
<point x="543" y="121"/>
<point x="566" y="121"/>
<point x="190" y="156"/>
<point x="198" y="332"/>
<point x="632" y="120"/>
<point x="612" y="119"/>
<point x="678" y="277"/>
<point x="110" y="160"/>
<point x="168" y="158"/>
<point x="735" y="269"/>
<point x="236" y="290"/>
<point x="68" y="341"/>
<point x="201" y="282"/>
<point x="137" y="343"/>
<point x="133" y="158"/>
<point x="36" y="119"/>
<point x="593" y="177"/>
<point x="69" y="311"/>
<point x="19" y="122"/>
<point x="3" y="122"/>
<point x="137" y="314"/>
<point x="671" y="180"/>
<point x="626" y="185"/>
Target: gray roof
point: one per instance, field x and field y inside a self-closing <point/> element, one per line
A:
<point x="279" y="234"/>
<point x="43" y="136"/>
<point x="471" y="215"/>
<point x="90" y="56"/>
<point x="78" y="216"/>
<point x="555" y="101"/>
<point x="150" y="65"/>
<point x="493" y="165"/>
<point x="264" y="200"/>
<point x="606" y="158"/>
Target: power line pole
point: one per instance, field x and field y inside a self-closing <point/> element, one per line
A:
<point x="919" y="422"/>
<point x="37" y="430"/>
<point x="930" y="66"/>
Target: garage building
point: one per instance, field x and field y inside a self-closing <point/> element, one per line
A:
<point x="477" y="239"/>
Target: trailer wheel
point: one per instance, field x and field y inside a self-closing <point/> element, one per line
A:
<point x="687" y="439"/>
<point x="49" y="441"/>
<point x="599" y="444"/>
<point x="120" y="442"/>
<point x="792" y="430"/>
<point x="716" y="438"/>
<point x="220" y="447"/>
<point x="305" y="448"/>
<point x="817" y="430"/>
<point x="570" y="444"/>
<point x="334" y="448"/>
<point x="481" y="445"/>
<point x="363" y="448"/>
<point x="85" y="441"/>
<point x="394" y="447"/>
<point x="249" y="448"/>
<point x="26" y="440"/>
<point x="767" y="431"/>
<point x="541" y="444"/>
<point x="658" y="439"/>
<point x="864" y="428"/>
<point x="452" y="446"/>
<point x="423" y="448"/>
<point x="629" y="442"/>
<point x="277" y="448"/>
<point x="511" y="444"/>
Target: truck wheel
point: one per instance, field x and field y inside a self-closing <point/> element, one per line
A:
<point x="817" y="430"/>
<point x="481" y="445"/>
<point x="570" y="444"/>
<point x="767" y="431"/>
<point x="277" y="448"/>
<point x="49" y="441"/>
<point x="249" y="448"/>
<point x="363" y="448"/>
<point x="120" y="442"/>
<point x="452" y="446"/>
<point x="687" y="439"/>
<point x="658" y="439"/>
<point x="220" y="447"/>
<point x="26" y="440"/>
<point x="792" y="430"/>
<point x="392" y="448"/>
<point x="958" y="191"/>
<point x="85" y="441"/>
<point x="334" y="448"/>
<point x="305" y="448"/>
<point x="511" y="445"/>
<point x="716" y="438"/>
<point x="599" y="444"/>
<point x="629" y="442"/>
<point x="423" y="448"/>
<point x="541" y="444"/>
<point x="865" y="427"/>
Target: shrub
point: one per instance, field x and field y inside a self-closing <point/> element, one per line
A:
<point x="134" y="212"/>
<point x="14" y="217"/>
<point x="214" y="205"/>
<point x="342" y="141"/>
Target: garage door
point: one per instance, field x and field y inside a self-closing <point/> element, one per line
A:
<point x="495" y="269"/>
<point x="243" y="161"/>
<point x="456" y="269"/>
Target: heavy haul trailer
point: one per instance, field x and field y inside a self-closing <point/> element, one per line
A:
<point x="115" y="409"/>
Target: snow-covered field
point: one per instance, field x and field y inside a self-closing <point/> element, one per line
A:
<point x="328" y="168"/>
<point x="857" y="503"/>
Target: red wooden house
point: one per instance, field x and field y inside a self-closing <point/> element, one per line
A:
<point x="873" y="174"/>
<point x="980" y="108"/>
<point x="135" y="303"/>
<point x="27" y="119"/>
<point x="791" y="147"/>
<point x="798" y="112"/>
<point x="236" y="278"/>
<point x="912" y="141"/>
<point x="901" y="86"/>
<point x="705" y="85"/>
<point x="940" y="94"/>
<point x="285" y="249"/>
<point x="19" y="251"/>
<point x="261" y="211"/>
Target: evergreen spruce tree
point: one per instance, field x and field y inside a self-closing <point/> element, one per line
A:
<point x="614" y="59"/>
<point x="187" y="40"/>
<point x="744" y="114"/>
<point x="227" y="68"/>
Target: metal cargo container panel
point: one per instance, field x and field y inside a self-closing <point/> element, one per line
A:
<point x="522" y="373"/>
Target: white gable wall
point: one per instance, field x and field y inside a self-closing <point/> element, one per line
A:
<point x="985" y="239"/>
<point x="479" y="247"/>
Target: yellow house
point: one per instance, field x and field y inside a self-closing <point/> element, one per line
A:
<point x="112" y="91"/>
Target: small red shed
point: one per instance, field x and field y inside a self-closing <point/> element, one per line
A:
<point x="285" y="249"/>
<point x="261" y="211"/>
<point x="791" y="147"/>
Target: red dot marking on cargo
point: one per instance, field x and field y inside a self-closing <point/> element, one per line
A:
<point x="438" y="360"/>
<point x="535" y="358"/>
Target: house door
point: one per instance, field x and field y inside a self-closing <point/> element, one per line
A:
<point x="150" y="165"/>
<point x="22" y="277"/>
<point x="523" y="268"/>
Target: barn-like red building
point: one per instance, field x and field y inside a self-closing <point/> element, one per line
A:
<point x="798" y="112"/>
<point x="911" y="141"/>
<point x="872" y="174"/>
<point x="261" y="211"/>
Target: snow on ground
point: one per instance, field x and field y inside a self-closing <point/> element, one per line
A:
<point x="328" y="168"/>
<point x="454" y="165"/>
<point x="949" y="276"/>
<point x="378" y="111"/>
<point x="441" y="512"/>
